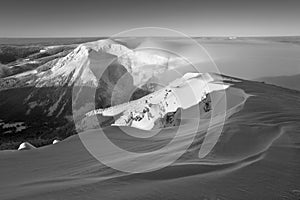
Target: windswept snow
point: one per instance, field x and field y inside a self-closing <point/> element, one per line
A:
<point x="183" y="93"/>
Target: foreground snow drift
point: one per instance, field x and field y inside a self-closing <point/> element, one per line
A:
<point x="246" y="159"/>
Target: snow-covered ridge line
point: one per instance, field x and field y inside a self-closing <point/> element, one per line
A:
<point x="76" y="67"/>
<point x="182" y="93"/>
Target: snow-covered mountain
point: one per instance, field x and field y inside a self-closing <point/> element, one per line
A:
<point x="78" y="65"/>
<point x="98" y="75"/>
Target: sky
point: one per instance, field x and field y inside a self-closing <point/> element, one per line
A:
<point x="87" y="18"/>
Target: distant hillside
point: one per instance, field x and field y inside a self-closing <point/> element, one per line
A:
<point x="15" y="59"/>
<point x="291" y="82"/>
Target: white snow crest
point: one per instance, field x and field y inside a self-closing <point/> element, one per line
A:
<point x="183" y="93"/>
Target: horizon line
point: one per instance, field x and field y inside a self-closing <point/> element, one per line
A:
<point x="206" y="36"/>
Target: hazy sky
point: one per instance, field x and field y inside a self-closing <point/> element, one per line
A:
<point x="66" y="18"/>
